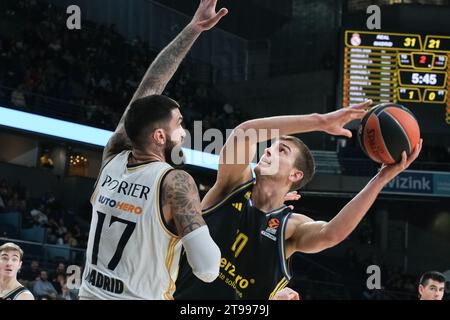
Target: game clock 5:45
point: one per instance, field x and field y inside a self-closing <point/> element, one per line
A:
<point x="422" y="79"/>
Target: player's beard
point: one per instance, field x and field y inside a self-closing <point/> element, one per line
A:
<point x="174" y="154"/>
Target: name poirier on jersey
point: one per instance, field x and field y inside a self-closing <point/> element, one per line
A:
<point x="122" y="187"/>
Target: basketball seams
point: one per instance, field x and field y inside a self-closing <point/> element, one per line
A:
<point x="366" y="141"/>
<point x="401" y="128"/>
<point x="382" y="141"/>
<point x="387" y="119"/>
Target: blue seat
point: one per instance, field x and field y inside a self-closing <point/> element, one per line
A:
<point x="57" y="253"/>
<point x="35" y="234"/>
<point x="11" y="219"/>
<point x="8" y="231"/>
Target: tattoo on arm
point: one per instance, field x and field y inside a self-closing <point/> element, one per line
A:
<point x="118" y="142"/>
<point x="155" y="80"/>
<point x="166" y="63"/>
<point x="181" y="193"/>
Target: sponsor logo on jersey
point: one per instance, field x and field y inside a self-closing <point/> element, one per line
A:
<point x="271" y="230"/>
<point x="127" y="207"/>
<point x="268" y="235"/>
<point x="238" y="206"/>
<point x="229" y="275"/>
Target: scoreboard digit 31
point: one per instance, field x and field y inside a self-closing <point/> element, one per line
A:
<point x="409" y="69"/>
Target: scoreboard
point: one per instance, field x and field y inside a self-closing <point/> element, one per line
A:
<point x="409" y="69"/>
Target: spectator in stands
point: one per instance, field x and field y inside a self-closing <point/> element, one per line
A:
<point x="432" y="286"/>
<point x="67" y="294"/>
<point x="18" y="97"/>
<point x="31" y="273"/>
<point x="2" y="204"/>
<point x="92" y="84"/>
<point x="15" y="204"/>
<point x="58" y="282"/>
<point x="70" y="240"/>
<point x="60" y="270"/>
<point x="4" y="190"/>
<point x="43" y="288"/>
<point x="39" y="217"/>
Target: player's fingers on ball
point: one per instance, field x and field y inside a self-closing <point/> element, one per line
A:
<point x="404" y="160"/>
<point x="364" y="104"/>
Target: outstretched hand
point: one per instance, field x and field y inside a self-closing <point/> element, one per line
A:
<point x="206" y="17"/>
<point x="334" y="122"/>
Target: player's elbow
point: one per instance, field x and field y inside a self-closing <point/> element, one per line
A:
<point x="209" y="271"/>
<point x="331" y="238"/>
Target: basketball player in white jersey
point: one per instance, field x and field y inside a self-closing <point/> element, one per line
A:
<point x="11" y="256"/>
<point x="143" y="209"/>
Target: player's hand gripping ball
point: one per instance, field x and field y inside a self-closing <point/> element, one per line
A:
<point x="386" y="131"/>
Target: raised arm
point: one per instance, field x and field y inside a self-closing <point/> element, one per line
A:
<point x="241" y="145"/>
<point x="313" y="236"/>
<point x="181" y="205"/>
<point x="164" y="66"/>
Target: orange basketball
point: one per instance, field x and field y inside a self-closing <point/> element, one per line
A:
<point x="386" y="131"/>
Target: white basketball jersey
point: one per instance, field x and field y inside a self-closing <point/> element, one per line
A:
<point x="130" y="253"/>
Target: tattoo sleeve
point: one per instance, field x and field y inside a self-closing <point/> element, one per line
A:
<point x="155" y="80"/>
<point x="181" y="194"/>
<point x="166" y="63"/>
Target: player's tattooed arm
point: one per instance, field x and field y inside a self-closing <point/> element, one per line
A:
<point x="155" y="80"/>
<point x="164" y="66"/>
<point x="167" y="62"/>
<point x="180" y="195"/>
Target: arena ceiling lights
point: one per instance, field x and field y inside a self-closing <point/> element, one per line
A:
<point x="80" y="133"/>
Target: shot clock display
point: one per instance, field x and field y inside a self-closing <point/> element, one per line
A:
<point x="410" y="69"/>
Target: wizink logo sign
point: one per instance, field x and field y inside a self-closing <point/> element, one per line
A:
<point x="412" y="182"/>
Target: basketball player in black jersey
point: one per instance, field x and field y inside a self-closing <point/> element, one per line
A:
<point x="256" y="232"/>
<point x="10" y="262"/>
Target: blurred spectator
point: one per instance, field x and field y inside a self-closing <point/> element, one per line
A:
<point x="60" y="270"/>
<point x="67" y="294"/>
<point x="80" y="76"/>
<point x="43" y="288"/>
<point x="33" y="272"/>
<point x="58" y="283"/>
<point x="70" y="240"/>
<point x="39" y="216"/>
<point x="2" y="204"/>
<point x="18" y="97"/>
<point x="15" y="204"/>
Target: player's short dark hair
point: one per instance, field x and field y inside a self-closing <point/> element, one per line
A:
<point x="433" y="275"/>
<point x="147" y="114"/>
<point x="304" y="161"/>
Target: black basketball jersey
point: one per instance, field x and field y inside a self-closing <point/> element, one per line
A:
<point x="15" y="293"/>
<point x="252" y="243"/>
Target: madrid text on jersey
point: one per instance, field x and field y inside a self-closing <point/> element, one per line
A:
<point x="99" y="280"/>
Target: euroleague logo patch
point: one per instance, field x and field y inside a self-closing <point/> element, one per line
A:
<point x="271" y="230"/>
<point x="273" y="223"/>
